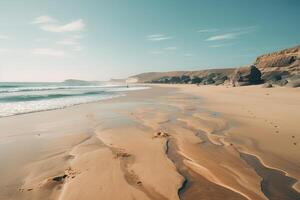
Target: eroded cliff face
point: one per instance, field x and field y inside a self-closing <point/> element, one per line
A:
<point x="284" y="58"/>
<point x="280" y="67"/>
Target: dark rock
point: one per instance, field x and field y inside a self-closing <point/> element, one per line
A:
<point x="219" y="82"/>
<point x="59" y="178"/>
<point x="208" y="81"/>
<point x="196" y="80"/>
<point x="185" y="79"/>
<point x="246" y="76"/>
<point x="282" y="82"/>
<point x="175" y="79"/>
<point x="267" y="85"/>
<point x="220" y="79"/>
<point x="274" y="76"/>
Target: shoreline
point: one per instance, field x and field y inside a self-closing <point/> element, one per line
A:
<point x="127" y="124"/>
<point x="123" y="93"/>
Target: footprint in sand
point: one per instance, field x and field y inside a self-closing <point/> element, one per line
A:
<point x="130" y="176"/>
<point x="69" y="173"/>
<point x="160" y="134"/>
<point x="122" y="155"/>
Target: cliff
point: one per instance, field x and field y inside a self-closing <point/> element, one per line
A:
<point x="279" y="68"/>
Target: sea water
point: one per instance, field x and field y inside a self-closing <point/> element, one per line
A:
<point x="20" y="98"/>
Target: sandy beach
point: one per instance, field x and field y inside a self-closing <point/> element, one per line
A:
<point x="167" y="142"/>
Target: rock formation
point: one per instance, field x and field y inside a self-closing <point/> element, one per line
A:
<point x="279" y="68"/>
<point x="246" y="76"/>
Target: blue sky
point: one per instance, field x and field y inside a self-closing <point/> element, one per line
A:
<point x="96" y="40"/>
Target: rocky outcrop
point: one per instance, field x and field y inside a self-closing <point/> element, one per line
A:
<point x="210" y="76"/>
<point x="280" y="67"/>
<point x="284" y="58"/>
<point x="209" y="79"/>
<point x="246" y="76"/>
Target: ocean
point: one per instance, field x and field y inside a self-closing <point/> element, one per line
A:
<point x="20" y="98"/>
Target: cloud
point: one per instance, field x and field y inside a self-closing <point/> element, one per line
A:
<point x="207" y="30"/>
<point x="77" y="25"/>
<point x="233" y="34"/>
<point x="171" y="48"/>
<point x="158" y="37"/>
<point x="219" y="45"/>
<point x="227" y="36"/>
<point x="48" y="52"/>
<point x="155" y="35"/>
<point x="49" y="24"/>
<point x="43" y="20"/>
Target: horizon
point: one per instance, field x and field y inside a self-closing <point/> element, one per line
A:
<point x="45" y="42"/>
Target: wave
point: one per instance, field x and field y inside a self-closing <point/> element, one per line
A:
<point x="23" y="107"/>
<point x="11" y="89"/>
<point x="21" y="98"/>
<point x="9" y="86"/>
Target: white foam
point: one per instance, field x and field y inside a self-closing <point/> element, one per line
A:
<point x="21" y="107"/>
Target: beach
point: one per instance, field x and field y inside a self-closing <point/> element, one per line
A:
<point x="166" y="142"/>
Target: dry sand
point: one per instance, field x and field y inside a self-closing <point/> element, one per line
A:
<point x="167" y="142"/>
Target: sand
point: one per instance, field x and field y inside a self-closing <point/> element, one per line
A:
<point x="167" y="142"/>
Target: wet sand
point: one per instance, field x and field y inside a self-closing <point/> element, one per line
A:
<point x="275" y="184"/>
<point x="167" y="142"/>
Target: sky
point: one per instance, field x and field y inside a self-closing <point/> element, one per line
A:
<point x="54" y="40"/>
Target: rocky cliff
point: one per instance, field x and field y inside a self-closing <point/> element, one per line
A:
<point x="279" y="68"/>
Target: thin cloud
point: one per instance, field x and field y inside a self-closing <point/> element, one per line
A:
<point x="219" y="45"/>
<point x="77" y="25"/>
<point x="158" y="37"/>
<point x="48" y="52"/>
<point x="227" y="36"/>
<point x="155" y="35"/>
<point x="43" y="20"/>
<point x="207" y="30"/>
<point x="233" y="34"/>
